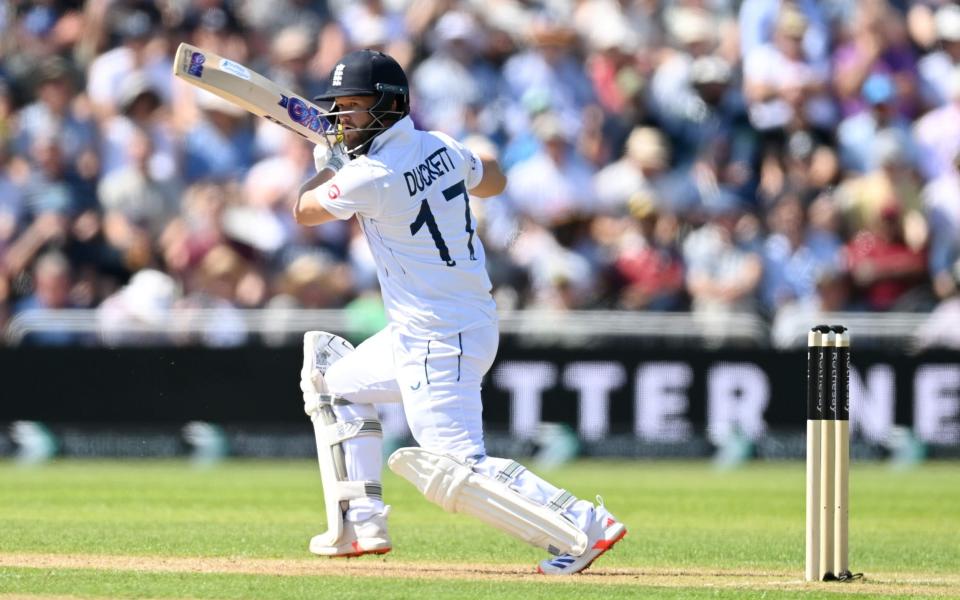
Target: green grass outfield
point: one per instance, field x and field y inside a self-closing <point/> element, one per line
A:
<point x="152" y="529"/>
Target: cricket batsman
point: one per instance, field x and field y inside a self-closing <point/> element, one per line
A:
<point x="410" y="191"/>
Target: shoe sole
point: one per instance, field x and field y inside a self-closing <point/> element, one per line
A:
<point x="360" y="553"/>
<point x="610" y="545"/>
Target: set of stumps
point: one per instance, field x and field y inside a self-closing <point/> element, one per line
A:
<point x="828" y="453"/>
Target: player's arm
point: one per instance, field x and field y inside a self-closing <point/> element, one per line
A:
<point x="308" y="210"/>
<point x="493" y="180"/>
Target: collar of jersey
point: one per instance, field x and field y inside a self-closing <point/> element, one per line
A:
<point x="399" y="129"/>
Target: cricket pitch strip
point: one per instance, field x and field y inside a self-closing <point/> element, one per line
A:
<point x="938" y="585"/>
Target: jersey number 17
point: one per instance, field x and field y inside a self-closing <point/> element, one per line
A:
<point x="425" y="217"/>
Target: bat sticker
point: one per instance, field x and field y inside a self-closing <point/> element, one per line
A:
<point x="234" y="68"/>
<point x="196" y="64"/>
<point x="300" y="113"/>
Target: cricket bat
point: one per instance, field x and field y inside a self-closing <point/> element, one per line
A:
<point x="251" y="91"/>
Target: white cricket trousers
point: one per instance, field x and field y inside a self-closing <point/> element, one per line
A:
<point x="439" y="383"/>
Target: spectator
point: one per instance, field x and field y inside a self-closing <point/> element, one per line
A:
<point x="100" y="267"/>
<point x="757" y="20"/>
<point x="264" y="221"/>
<point x="51" y="291"/>
<point x="555" y="184"/>
<point x="50" y="187"/>
<point x="457" y="40"/>
<point x="887" y="273"/>
<point x="715" y="138"/>
<point x="273" y="17"/>
<point x="220" y="146"/>
<point x="784" y="89"/>
<point x="878" y="43"/>
<point x="215" y="26"/>
<point x="791" y="263"/>
<point x="710" y="105"/>
<point x="290" y="53"/>
<point x="550" y="68"/>
<point x="809" y="166"/>
<point x="213" y="298"/>
<point x="863" y="198"/>
<point x="724" y="267"/>
<point x="560" y="278"/>
<point x="612" y="65"/>
<point x="645" y="159"/>
<point x="140" y="108"/>
<point x="54" y="115"/>
<point x="47" y="231"/>
<point x="314" y="281"/>
<point x="936" y="67"/>
<point x="833" y="294"/>
<point x="648" y="262"/>
<point x="941" y="199"/>
<point x="825" y="229"/>
<point x="136" y="27"/>
<point x="200" y="227"/>
<point x="372" y="24"/>
<point x="133" y="193"/>
<point x="857" y="134"/>
<point x="937" y="133"/>
<point x="694" y="31"/>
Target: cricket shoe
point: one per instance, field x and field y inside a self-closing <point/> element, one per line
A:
<point x="603" y="532"/>
<point x="359" y="537"/>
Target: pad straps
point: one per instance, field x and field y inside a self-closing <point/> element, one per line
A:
<point x="509" y="472"/>
<point x="561" y="501"/>
<point x="345" y="430"/>
<point x="351" y="490"/>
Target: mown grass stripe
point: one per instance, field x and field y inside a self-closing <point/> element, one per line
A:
<point x="84" y="583"/>
<point x="378" y="570"/>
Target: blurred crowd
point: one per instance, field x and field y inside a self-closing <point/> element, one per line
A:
<point x="776" y="157"/>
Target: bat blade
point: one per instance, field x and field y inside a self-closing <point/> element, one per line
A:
<point x="250" y="91"/>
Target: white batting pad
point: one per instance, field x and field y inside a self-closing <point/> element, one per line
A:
<point x="320" y="350"/>
<point x="456" y="488"/>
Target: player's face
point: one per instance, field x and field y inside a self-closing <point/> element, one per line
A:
<point x="355" y="120"/>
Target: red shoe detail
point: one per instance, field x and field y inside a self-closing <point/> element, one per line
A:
<point x="360" y="552"/>
<point x="610" y="521"/>
<point x="539" y="569"/>
<point x="607" y="544"/>
<point x="356" y="545"/>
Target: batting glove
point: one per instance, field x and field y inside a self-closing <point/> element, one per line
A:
<point x="327" y="157"/>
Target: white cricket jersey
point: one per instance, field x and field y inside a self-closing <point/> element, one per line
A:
<point x="409" y="193"/>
